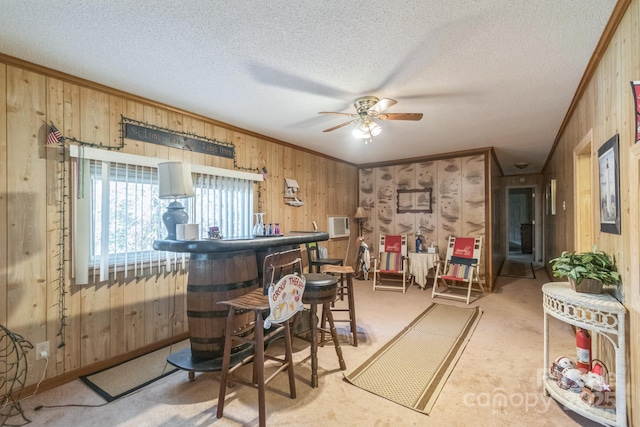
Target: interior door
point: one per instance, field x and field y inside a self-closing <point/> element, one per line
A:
<point x="521" y="228"/>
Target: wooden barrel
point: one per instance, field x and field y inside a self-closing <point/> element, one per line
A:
<point x="215" y="277"/>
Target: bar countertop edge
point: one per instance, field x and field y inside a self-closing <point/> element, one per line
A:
<point x="239" y="244"/>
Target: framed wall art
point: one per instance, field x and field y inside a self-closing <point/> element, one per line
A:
<point x="414" y="200"/>
<point x="609" y="164"/>
<point x="635" y="87"/>
<point x="551" y="197"/>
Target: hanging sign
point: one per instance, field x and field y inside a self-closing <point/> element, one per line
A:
<point x="160" y="136"/>
<point x="635" y="87"/>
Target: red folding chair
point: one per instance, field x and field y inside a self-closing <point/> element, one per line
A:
<point x="391" y="264"/>
<point x="460" y="269"/>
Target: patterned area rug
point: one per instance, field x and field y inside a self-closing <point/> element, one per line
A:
<point x="412" y="368"/>
<point x="517" y="269"/>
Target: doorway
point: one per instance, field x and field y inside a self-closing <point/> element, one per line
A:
<point x="521" y="232"/>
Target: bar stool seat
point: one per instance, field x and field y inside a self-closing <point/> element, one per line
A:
<point x="345" y="290"/>
<point x="321" y="289"/>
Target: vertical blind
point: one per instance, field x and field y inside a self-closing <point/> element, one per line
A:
<point x="117" y="212"/>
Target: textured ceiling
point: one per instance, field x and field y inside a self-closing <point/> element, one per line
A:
<point x="498" y="73"/>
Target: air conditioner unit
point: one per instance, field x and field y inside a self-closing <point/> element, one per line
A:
<point x="339" y="226"/>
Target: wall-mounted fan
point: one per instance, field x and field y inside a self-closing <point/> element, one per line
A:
<point x="369" y="108"/>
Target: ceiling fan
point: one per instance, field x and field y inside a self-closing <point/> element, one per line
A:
<point x="369" y="108"/>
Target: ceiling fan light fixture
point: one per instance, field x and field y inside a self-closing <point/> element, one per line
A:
<point x="367" y="129"/>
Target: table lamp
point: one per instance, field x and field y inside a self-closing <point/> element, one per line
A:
<point x="360" y="215"/>
<point x="174" y="183"/>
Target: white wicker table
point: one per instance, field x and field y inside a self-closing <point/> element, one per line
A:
<point x="600" y="313"/>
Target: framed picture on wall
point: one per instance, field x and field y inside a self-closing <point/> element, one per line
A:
<point x="608" y="163"/>
<point x="409" y="201"/>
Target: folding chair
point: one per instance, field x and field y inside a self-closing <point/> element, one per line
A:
<point x="391" y="264"/>
<point x="460" y="269"/>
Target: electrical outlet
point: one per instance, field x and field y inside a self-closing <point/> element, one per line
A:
<point x="42" y="350"/>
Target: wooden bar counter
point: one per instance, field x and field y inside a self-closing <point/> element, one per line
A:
<point x="222" y="269"/>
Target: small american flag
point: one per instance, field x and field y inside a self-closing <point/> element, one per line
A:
<point x="54" y="135"/>
<point x="265" y="173"/>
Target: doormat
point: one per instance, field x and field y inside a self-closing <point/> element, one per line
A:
<point x="120" y="380"/>
<point x="413" y="367"/>
<point x="517" y="269"/>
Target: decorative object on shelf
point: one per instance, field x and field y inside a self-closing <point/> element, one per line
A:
<point x="588" y="271"/>
<point x="418" y="241"/>
<point x="174" y="183"/>
<point x="560" y="365"/>
<point x="414" y="201"/>
<point x="214" y="232"/>
<point x="596" y="391"/>
<point x="608" y="161"/>
<point x="259" y="228"/>
<point x="291" y="192"/>
<point x="360" y="215"/>
<point x="571" y="379"/>
<point x="187" y="231"/>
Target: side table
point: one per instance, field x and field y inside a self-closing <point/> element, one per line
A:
<point x="420" y="264"/>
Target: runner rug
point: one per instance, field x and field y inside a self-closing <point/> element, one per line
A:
<point x="412" y="368"/>
<point x="120" y="380"/>
<point x="517" y="269"/>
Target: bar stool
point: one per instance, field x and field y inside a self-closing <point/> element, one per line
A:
<point x="314" y="259"/>
<point x="321" y="289"/>
<point x="345" y="290"/>
<point x="281" y="265"/>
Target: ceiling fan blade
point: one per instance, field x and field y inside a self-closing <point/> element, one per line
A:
<point x="382" y="105"/>
<point x="400" y="116"/>
<point x="338" y="114"/>
<point x="341" y="125"/>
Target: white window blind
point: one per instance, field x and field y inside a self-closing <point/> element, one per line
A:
<point x="117" y="212"/>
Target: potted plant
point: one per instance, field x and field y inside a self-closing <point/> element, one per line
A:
<point x="587" y="271"/>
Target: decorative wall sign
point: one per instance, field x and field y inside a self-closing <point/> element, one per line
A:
<point x="414" y="200"/>
<point x="635" y="87"/>
<point x="608" y="161"/>
<point x="139" y="131"/>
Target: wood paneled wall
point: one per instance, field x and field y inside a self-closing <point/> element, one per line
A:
<point x="605" y="108"/>
<point x="111" y="320"/>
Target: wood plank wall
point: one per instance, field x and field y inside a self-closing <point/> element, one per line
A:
<point x="606" y="107"/>
<point x="112" y="320"/>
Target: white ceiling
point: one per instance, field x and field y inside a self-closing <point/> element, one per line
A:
<point x="498" y="73"/>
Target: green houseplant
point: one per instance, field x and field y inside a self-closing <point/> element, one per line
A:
<point x="586" y="271"/>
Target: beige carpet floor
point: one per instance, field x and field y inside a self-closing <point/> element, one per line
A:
<point x="496" y="381"/>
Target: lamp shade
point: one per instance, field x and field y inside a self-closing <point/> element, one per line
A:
<point x="174" y="180"/>
<point x="360" y="213"/>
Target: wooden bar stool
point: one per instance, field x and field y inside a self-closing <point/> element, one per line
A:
<point x="283" y="301"/>
<point x="321" y="289"/>
<point x="345" y="290"/>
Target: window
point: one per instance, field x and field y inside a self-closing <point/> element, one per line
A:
<point x="118" y="212"/>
